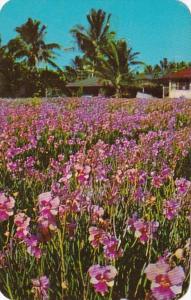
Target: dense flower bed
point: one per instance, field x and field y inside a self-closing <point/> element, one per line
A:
<point x="94" y="199"/>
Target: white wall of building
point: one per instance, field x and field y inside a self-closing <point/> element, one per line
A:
<point x="180" y="93"/>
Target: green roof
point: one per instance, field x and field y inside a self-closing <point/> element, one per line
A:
<point x="88" y="82"/>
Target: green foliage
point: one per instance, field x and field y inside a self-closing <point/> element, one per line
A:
<point x="21" y="60"/>
<point x="92" y="40"/>
<point x="25" y="59"/>
<point x="164" y="67"/>
<point x="114" y="67"/>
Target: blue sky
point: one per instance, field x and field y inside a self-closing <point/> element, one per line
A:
<point x="156" y="28"/>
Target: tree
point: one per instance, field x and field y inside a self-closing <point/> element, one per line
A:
<point x="32" y="46"/>
<point x="91" y="41"/>
<point x="152" y="71"/>
<point x="23" y="57"/>
<point x="51" y="82"/>
<point x="80" y="68"/>
<point x="178" y="66"/>
<point x="115" y="67"/>
<point x="164" y="67"/>
<point x="11" y="72"/>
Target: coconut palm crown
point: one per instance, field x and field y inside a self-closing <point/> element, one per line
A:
<point x="92" y="40"/>
<point x="32" y="46"/>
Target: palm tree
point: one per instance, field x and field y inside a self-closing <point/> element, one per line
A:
<point x="178" y="66"/>
<point x="32" y="46"/>
<point x="77" y="70"/>
<point x="82" y="66"/>
<point x="164" y="66"/>
<point x="152" y="71"/>
<point x="115" y="67"/>
<point x="92" y="40"/>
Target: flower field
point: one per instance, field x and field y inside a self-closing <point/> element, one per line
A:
<point x="94" y="199"/>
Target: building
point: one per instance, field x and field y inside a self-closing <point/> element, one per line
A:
<point x="178" y="83"/>
<point x="89" y="86"/>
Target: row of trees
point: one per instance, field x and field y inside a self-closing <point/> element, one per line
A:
<point x="28" y="67"/>
<point x="164" y="67"/>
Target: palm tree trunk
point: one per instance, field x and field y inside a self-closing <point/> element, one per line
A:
<point x="118" y="92"/>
